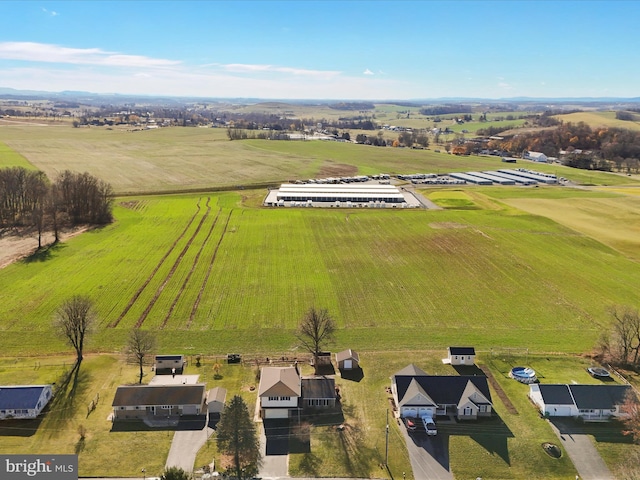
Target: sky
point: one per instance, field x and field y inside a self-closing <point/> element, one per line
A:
<point x="335" y="49"/>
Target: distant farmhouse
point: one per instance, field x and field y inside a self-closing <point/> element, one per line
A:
<point x="23" y="401"/>
<point x="535" y="157"/>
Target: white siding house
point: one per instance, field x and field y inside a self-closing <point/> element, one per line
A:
<point x="279" y="391"/>
<point x="23" y="401"/>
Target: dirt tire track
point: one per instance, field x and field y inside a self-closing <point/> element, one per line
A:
<point x="501" y="393"/>
<point x="174" y="267"/>
<point x="193" y="268"/>
<point x="155" y="270"/>
<point x="206" y="278"/>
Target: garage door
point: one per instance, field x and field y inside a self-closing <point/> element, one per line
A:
<point x="276" y="413"/>
<point x="559" y="411"/>
<point x="348" y="364"/>
<point x="410" y="412"/>
<point x="424" y="410"/>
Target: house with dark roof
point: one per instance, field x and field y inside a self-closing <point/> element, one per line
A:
<point x="590" y="403"/>
<point x="461" y="355"/>
<point x="140" y="402"/>
<point x="417" y="394"/>
<point x="279" y="391"/>
<point x="23" y="401"/>
<point x="318" y="392"/>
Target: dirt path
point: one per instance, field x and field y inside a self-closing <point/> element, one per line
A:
<point x="14" y="248"/>
<point x="501" y="393"/>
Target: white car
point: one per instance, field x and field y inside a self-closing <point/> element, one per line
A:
<point x="429" y="425"/>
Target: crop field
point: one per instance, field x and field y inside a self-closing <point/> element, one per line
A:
<point x="210" y="274"/>
<point x="11" y="158"/>
<point x="599" y="119"/>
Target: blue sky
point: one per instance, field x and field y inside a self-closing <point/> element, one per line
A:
<point x="324" y="49"/>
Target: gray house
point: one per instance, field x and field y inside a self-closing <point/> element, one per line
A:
<point x="139" y="402"/>
<point x="23" y="401"/>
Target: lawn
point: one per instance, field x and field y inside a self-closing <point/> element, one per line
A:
<point x="11" y="158"/>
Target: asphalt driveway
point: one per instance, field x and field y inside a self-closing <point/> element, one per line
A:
<point x="429" y="455"/>
<point x="581" y="451"/>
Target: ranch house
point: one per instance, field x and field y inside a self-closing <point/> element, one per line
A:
<point x="23" y="401"/>
<point x="591" y="403"/>
<point x="146" y="402"/>
<point x="463" y="397"/>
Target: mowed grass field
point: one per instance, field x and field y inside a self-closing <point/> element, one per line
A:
<point x="211" y="275"/>
<point x="599" y="119"/>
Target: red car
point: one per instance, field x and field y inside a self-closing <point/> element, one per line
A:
<point x="411" y="426"/>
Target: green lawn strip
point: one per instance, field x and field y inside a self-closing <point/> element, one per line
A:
<point x="11" y="158"/>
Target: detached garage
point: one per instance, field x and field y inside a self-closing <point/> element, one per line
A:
<point x="347" y="360"/>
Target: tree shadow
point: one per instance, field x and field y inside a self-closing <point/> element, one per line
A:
<point x="311" y="464"/>
<point x="72" y="386"/>
<point x="44" y="254"/>
<point x="492" y="434"/>
<point x="300" y="442"/>
<point x="354" y="374"/>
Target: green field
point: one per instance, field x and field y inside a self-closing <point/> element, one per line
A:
<point x="599" y="119"/>
<point x="212" y="275"/>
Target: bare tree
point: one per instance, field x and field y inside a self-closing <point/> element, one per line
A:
<point x="74" y="320"/>
<point x="631" y="419"/>
<point x="624" y="340"/>
<point x="140" y="344"/>
<point x="315" y="331"/>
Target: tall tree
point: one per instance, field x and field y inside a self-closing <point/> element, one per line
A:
<point x="74" y="320"/>
<point x="631" y="420"/>
<point x="315" y="331"/>
<point x="236" y="434"/>
<point x="140" y="344"/>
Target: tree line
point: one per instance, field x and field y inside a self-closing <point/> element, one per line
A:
<point x="29" y="199"/>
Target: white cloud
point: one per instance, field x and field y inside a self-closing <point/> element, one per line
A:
<point x="42" y="52"/>
<point x="504" y="85"/>
<point x="258" y="68"/>
<point x="367" y="72"/>
<point x="52" y="12"/>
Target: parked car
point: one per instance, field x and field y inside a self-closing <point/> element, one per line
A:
<point x="411" y="425"/>
<point x="429" y="425"/>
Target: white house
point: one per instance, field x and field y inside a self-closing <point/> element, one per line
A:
<point x="461" y="355"/>
<point x="536" y="157"/>
<point x="588" y="402"/>
<point x="140" y="402"/>
<point x="279" y="391"/>
<point x="23" y="401"/>
<point x="465" y="397"/>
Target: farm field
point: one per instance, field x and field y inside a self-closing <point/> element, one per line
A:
<point x="212" y="275"/>
<point x="599" y="119"/>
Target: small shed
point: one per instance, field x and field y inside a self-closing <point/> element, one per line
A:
<point x="215" y="399"/>
<point x="461" y="355"/>
<point x="169" y="364"/>
<point x="348" y="360"/>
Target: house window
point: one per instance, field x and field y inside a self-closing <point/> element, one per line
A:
<point x="273" y="399"/>
<point x="285" y="399"/>
<point x="455" y="357"/>
<point x="167" y="407"/>
<point x="483" y="408"/>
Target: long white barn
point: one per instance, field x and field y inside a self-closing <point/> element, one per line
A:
<point x="325" y="194"/>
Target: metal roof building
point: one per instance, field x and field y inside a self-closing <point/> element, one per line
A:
<point x="331" y="193"/>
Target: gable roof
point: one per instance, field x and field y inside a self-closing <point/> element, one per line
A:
<point x="443" y="389"/>
<point x="598" y="396"/>
<point x="279" y="382"/>
<point x="462" y="350"/>
<point x="217" y="394"/>
<point x="472" y="393"/>
<point x="20" y="396"/>
<point x="346" y="355"/>
<point x="410" y="369"/>
<point x="415" y="391"/>
<point x="150" y="395"/>
<point x="555" y="394"/>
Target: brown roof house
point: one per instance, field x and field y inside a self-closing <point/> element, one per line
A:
<point x="347" y="360"/>
<point x="279" y="391"/>
<point x="150" y="402"/>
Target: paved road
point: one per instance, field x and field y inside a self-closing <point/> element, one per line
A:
<point x="582" y="453"/>
<point x="429" y="456"/>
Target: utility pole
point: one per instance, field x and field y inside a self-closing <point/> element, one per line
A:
<point x="386" y="448"/>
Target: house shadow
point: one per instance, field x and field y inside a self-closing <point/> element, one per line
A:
<point x="471" y="370"/>
<point x="353" y="374"/>
<point x="492" y="434"/>
<point x="21" y="428"/>
<point x="174" y="423"/>
<point x="436" y="446"/>
<point x="605" y="432"/>
<point x="326" y="369"/>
